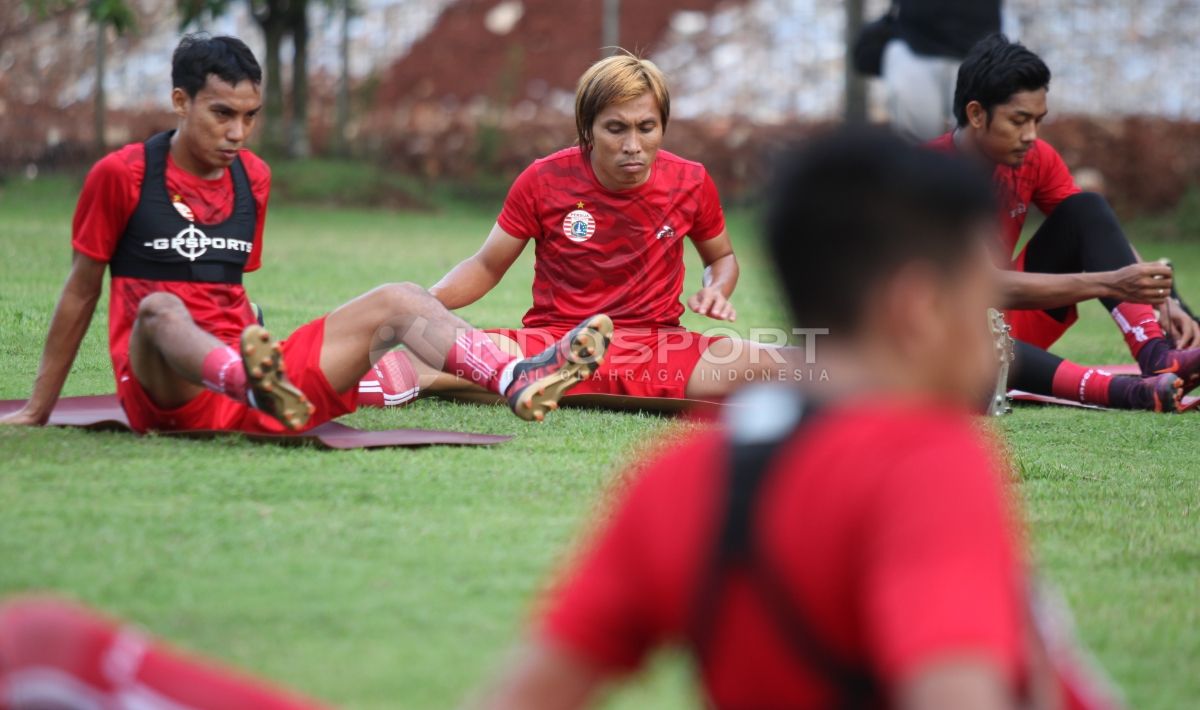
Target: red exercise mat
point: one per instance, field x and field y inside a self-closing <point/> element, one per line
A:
<point x="104" y="412"/>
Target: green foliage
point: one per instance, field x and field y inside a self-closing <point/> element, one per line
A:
<point x="117" y="14"/>
<point x="396" y="578"/>
<point x="194" y="11"/>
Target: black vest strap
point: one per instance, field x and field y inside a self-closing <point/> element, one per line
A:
<point x="217" y="273"/>
<point x="735" y="552"/>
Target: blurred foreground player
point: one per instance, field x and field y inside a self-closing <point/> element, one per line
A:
<point x="849" y="547"/>
<point x="177" y="221"/>
<point x="1079" y="253"/>
<point x="609" y="219"/>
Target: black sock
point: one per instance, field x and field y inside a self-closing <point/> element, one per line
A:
<point x="1153" y="356"/>
<point x="1129" y="392"/>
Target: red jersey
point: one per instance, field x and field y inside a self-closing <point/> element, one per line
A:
<point x="599" y="251"/>
<point x="109" y="197"/>
<point x="885" y="523"/>
<point x="1042" y="179"/>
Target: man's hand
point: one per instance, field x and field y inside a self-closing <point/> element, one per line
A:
<point x="709" y="301"/>
<point x="24" y="417"/>
<point x="1182" y="328"/>
<point x="1146" y="282"/>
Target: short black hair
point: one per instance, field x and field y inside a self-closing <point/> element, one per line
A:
<point x="993" y="71"/>
<point x="199" y="55"/>
<point x="849" y="208"/>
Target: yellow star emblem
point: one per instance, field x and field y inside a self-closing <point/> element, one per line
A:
<point x="579" y="205"/>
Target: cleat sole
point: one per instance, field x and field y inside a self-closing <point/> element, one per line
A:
<point x="585" y="355"/>
<point x="274" y="394"/>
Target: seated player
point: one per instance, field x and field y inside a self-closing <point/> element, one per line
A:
<point x="608" y="219"/>
<point x="859" y="555"/>
<point x="177" y="221"/>
<point x="1079" y="253"/>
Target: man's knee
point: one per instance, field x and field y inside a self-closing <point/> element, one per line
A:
<point x="400" y="298"/>
<point x="159" y="306"/>
<point x="1084" y="204"/>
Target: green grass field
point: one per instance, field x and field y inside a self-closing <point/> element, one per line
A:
<point x="394" y="579"/>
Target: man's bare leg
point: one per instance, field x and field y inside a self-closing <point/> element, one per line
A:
<point x="169" y="355"/>
<point x="361" y="331"/>
<point x="365" y="329"/>
<point x="730" y="363"/>
<point x="167" y="350"/>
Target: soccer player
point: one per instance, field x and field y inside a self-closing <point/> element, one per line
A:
<point x="1079" y="253"/>
<point x="177" y="221"/>
<point x="608" y="219"/>
<point x="55" y="654"/>
<point x="859" y="555"/>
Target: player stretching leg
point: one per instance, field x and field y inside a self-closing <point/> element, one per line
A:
<point x="608" y="219"/>
<point x="1079" y="253"/>
<point x="177" y="221"/>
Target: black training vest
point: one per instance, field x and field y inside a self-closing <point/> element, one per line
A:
<point x="735" y="551"/>
<point x="160" y="245"/>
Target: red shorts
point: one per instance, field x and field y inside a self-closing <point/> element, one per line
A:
<point x="641" y="362"/>
<point x="210" y="411"/>
<point x="1039" y="327"/>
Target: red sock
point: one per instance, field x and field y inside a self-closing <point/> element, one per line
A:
<point x="476" y="358"/>
<point x="1137" y="324"/>
<point x="1081" y="384"/>
<point x="56" y="650"/>
<point x="223" y="373"/>
<point x="392" y="382"/>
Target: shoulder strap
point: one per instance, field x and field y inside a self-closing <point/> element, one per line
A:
<point x="154" y="172"/>
<point x="753" y="449"/>
<point x="241" y="183"/>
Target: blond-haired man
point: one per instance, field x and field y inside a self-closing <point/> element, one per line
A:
<point x="608" y="218"/>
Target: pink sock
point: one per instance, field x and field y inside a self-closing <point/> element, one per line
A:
<point x="392" y="382"/>
<point x="223" y="373"/>
<point x="1081" y="384"/>
<point x="476" y="358"/>
<point x="1137" y="324"/>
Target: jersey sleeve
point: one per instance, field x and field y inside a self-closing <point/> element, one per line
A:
<point x="941" y="570"/>
<point x="710" y="218"/>
<point x="600" y="611"/>
<point x="519" y="216"/>
<point x="108" y="199"/>
<point x="259" y="174"/>
<point x="1054" y="181"/>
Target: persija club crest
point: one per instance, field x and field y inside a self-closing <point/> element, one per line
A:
<point x="579" y="226"/>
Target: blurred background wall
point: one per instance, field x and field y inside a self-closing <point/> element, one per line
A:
<point x="471" y="89"/>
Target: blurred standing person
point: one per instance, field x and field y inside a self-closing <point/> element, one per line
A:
<point x="920" y="63"/>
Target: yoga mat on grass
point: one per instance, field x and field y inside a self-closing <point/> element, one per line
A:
<point x="103" y="412"/>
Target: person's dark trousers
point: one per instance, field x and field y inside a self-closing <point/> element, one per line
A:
<point x="1032" y="369"/>
<point x="1082" y="234"/>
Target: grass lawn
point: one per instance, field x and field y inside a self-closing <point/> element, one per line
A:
<point x="395" y="578"/>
